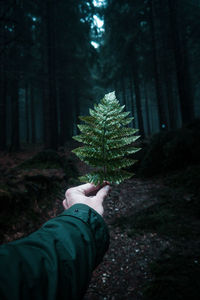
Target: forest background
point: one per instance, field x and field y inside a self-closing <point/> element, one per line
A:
<point x="56" y="61"/>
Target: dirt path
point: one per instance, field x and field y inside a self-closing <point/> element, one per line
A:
<point x="124" y="269"/>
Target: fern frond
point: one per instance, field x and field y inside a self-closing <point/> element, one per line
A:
<point x="120" y="163"/>
<point x="118" y="143"/>
<point x="112" y="177"/>
<point x="88" y="139"/>
<point x="88" y="119"/>
<point x="107" y="141"/>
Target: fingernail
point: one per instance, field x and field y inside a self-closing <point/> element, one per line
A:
<point x="107" y="188"/>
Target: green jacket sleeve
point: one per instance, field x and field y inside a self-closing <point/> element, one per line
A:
<point x="55" y="262"/>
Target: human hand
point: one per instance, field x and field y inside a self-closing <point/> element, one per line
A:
<point x="84" y="194"/>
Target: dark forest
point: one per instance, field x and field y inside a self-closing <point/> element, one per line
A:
<point x="58" y="58"/>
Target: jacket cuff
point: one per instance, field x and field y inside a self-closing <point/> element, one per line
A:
<point x="96" y="224"/>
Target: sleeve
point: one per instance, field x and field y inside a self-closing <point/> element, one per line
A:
<point x="55" y="262"/>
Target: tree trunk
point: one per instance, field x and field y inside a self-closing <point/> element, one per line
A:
<point x="132" y="100"/>
<point x="3" y="112"/>
<point x="170" y="100"/>
<point x="77" y="109"/>
<point x="27" y="113"/>
<point x="157" y="70"/>
<point x="136" y="83"/>
<point x="169" y="77"/>
<point x="3" y="85"/>
<point x="45" y="99"/>
<point x="51" y="109"/>
<point x="69" y="114"/>
<point x="15" y="144"/>
<point x="33" y="135"/>
<point x="123" y="90"/>
<point x="62" y="110"/>
<point x="181" y="62"/>
<point x="147" y="111"/>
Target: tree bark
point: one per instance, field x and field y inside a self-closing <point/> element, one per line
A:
<point x="136" y="83"/>
<point x="27" y="113"/>
<point x="62" y="110"/>
<point x="157" y="70"/>
<point x="51" y="112"/>
<point x="147" y="111"/>
<point x="181" y="62"/>
<point x="3" y="111"/>
<point x="15" y="143"/>
<point x="33" y="135"/>
<point x="3" y="85"/>
<point x="123" y="90"/>
<point x="77" y="109"/>
<point x="132" y="99"/>
<point x="45" y="99"/>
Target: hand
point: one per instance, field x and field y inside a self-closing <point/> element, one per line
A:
<point x="83" y="194"/>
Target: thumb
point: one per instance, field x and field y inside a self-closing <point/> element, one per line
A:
<point x="102" y="193"/>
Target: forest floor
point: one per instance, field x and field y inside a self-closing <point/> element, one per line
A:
<point x="154" y="235"/>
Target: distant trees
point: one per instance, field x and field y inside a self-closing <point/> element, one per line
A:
<point x="49" y="71"/>
<point x="150" y="45"/>
<point x="45" y="63"/>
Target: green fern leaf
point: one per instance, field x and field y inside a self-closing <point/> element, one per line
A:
<point x="107" y="142"/>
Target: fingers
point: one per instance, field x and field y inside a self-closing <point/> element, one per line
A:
<point x="65" y="205"/>
<point x="87" y="188"/>
<point x="102" y="193"/>
<point x="82" y="194"/>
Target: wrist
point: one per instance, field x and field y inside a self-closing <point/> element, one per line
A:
<point x="92" y="219"/>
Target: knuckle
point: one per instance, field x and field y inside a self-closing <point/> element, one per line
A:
<point x="68" y="193"/>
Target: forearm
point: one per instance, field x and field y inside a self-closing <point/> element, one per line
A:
<point x="56" y="261"/>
